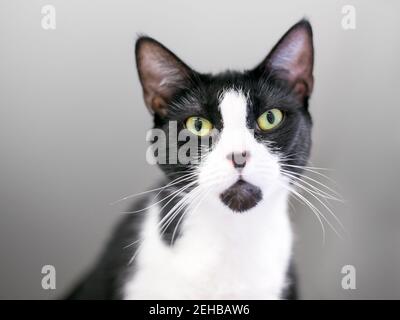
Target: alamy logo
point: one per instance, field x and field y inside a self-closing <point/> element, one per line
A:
<point x="49" y="17"/>
<point x="349" y="18"/>
<point x="349" y="280"/>
<point x="181" y="146"/>
<point x="49" y="278"/>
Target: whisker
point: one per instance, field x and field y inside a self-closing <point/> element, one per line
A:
<point x="297" y="177"/>
<point x="180" y="219"/>
<point x="313" y="207"/>
<point x="322" y="203"/>
<point x="180" y="205"/>
<point x="172" y="194"/>
<point x="174" y="182"/>
<point x="313" y="193"/>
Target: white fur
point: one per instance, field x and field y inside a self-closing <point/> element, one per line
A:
<point x="221" y="254"/>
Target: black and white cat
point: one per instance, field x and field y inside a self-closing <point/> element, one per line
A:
<point x="218" y="228"/>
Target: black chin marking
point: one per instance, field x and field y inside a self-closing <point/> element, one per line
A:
<point x="241" y="196"/>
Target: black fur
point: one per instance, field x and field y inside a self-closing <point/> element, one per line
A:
<point x="241" y="196"/>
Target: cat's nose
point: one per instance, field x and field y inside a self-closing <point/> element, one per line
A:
<point x="238" y="159"/>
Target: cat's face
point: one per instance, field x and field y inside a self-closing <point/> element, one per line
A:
<point x="246" y="125"/>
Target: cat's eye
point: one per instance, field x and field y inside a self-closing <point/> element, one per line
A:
<point x="270" y="119"/>
<point x="199" y="126"/>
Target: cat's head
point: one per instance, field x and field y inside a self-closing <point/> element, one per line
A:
<point x="252" y="128"/>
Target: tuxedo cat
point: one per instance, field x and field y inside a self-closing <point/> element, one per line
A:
<point x="217" y="227"/>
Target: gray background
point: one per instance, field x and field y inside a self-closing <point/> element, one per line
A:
<point x="73" y="124"/>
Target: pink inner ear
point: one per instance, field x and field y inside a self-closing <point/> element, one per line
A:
<point x="293" y="59"/>
<point x="161" y="74"/>
<point x="300" y="72"/>
<point x="300" y="89"/>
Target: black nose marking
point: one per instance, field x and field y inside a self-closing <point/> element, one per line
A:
<point x="241" y="196"/>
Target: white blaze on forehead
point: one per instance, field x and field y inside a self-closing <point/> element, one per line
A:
<point x="233" y="109"/>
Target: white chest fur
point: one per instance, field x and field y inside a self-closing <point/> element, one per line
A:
<point x="220" y="255"/>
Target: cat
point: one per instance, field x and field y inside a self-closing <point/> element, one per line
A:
<point x="217" y="228"/>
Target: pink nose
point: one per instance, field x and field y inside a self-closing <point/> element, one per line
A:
<point x="238" y="159"/>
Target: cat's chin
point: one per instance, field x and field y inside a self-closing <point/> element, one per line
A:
<point x="241" y="196"/>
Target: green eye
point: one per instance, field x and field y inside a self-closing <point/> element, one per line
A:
<point x="270" y="119"/>
<point x="199" y="126"/>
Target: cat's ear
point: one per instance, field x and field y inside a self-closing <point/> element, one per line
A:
<point x="161" y="73"/>
<point x="292" y="59"/>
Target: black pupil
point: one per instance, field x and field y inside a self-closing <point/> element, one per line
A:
<point x="270" y="117"/>
<point x="198" y="124"/>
